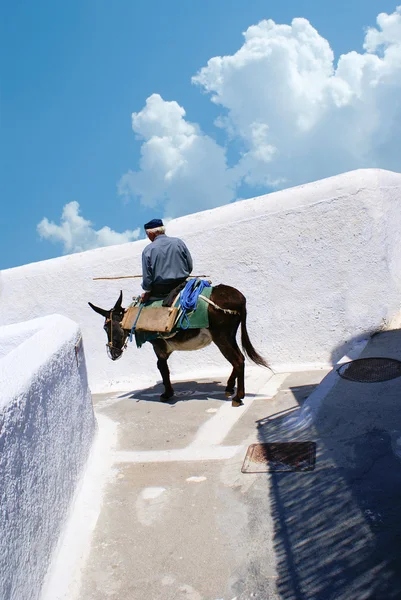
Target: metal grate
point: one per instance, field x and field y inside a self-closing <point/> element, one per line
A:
<point x="280" y="456"/>
<point x="370" y="370"/>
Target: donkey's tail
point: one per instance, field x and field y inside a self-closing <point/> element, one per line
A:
<point x="246" y="342"/>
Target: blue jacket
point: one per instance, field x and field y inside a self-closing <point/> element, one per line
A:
<point x="164" y="260"/>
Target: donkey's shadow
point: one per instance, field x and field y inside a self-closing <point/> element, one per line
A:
<point x="183" y="392"/>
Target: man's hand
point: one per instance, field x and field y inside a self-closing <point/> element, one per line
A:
<point x="145" y="297"/>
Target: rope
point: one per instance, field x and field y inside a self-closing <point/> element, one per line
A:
<point x="135" y="322"/>
<point x="225" y="310"/>
<point x="189" y="299"/>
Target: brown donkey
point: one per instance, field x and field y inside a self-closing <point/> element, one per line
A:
<point x="226" y="310"/>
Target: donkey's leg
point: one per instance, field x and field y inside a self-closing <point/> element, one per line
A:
<point x="165" y="373"/>
<point x="231" y="384"/>
<point x="163" y="354"/>
<point x="229" y="349"/>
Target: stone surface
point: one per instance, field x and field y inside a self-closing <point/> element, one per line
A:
<point x="47" y="428"/>
<point x="201" y="529"/>
<point x="188" y="529"/>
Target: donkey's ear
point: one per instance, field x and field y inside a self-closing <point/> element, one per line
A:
<point x="101" y="311"/>
<point x="117" y="305"/>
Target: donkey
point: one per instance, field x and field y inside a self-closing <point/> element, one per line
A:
<point x="226" y="310"/>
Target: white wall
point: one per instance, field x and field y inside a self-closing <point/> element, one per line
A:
<point x="46" y="429"/>
<point x="319" y="264"/>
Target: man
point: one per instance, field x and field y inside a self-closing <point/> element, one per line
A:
<point x="166" y="262"/>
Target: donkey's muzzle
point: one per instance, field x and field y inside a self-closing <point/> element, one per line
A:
<point x="114" y="353"/>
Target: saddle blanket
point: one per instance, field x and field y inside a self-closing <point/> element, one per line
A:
<point x="197" y="319"/>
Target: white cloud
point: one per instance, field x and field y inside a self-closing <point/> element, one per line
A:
<point x="389" y="33"/>
<point x="295" y="113"/>
<point x="180" y="167"/>
<point x="77" y="234"/>
<point x="298" y="115"/>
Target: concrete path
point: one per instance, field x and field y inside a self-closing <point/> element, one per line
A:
<point x="179" y="520"/>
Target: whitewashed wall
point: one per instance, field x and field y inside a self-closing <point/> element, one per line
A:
<point x="46" y="429"/>
<point x="320" y="264"/>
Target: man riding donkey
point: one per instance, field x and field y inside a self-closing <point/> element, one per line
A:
<point x="166" y="263"/>
<point x="207" y="314"/>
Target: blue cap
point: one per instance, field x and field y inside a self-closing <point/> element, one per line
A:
<point x="153" y="224"/>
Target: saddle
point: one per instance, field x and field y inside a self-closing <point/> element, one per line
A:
<point x="150" y="318"/>
<point x="162" y="315"/>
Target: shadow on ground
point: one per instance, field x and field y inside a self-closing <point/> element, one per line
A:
<point x="337" y="531"/>
<point x="203" y="389"/>
<point x="392" y="341"/>
<point x="184" y="391"/>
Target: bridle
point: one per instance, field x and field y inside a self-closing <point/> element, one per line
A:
<point x="109" y="345"/>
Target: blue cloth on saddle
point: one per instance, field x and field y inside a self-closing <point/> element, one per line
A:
<point x="196" y="318"/>
<point x="189" y="300"/>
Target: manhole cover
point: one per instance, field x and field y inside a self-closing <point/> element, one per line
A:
<point x="280" y="456"/>
<point x="370" y="370"/>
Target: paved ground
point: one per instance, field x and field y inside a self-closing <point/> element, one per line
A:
<point x="180" y="521"/>
<point x="338" y="533"/>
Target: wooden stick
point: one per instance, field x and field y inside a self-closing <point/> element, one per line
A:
<point x="137" y="276"/>
<point x="122" y="277"/>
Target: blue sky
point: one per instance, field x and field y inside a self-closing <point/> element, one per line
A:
<point x="73" y="73"/>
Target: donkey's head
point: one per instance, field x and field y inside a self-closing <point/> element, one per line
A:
<point x="117" y="338"/>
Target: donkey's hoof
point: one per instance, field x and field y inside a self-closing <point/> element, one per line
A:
<point x="166" y="397"/>
<point x="237" y="402"/>
<point x="228" y="394"/>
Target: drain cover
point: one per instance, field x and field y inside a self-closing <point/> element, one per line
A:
<point x="370" y="370"/>
<point x="280" y="456"/>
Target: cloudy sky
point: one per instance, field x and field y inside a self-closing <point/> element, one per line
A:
<point x="114" y="113"/>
